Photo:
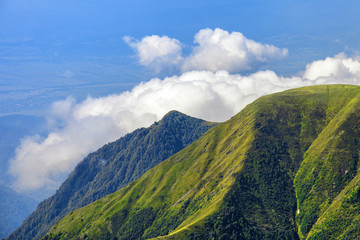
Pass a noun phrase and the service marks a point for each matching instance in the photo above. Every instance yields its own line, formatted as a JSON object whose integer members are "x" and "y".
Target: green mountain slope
{"x": 113, "y": 166}
{"x": 285, "y": 167}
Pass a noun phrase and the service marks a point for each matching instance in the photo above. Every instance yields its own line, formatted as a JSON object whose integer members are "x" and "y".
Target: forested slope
{"x": 113, "y": 166}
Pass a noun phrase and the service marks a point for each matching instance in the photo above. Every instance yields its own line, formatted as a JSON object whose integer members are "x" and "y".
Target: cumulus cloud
{"x": 215, "y": 50}
{"x": 42, "y": 162}
{"x": 156, "y": 52}
{"x": 218, "y": 49}
{"x": 210, "y": 95}
{"x": 334, "y": 69}
{"x": 90, "y": 124}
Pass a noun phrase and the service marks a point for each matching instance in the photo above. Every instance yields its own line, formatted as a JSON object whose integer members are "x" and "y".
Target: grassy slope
{"x": 283, "y": 168}
{"x": 327, "y": 175}
{"x": 183, "y": 190}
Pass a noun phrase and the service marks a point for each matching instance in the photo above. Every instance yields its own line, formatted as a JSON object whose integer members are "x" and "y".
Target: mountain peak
{"x": 176, "y": 116}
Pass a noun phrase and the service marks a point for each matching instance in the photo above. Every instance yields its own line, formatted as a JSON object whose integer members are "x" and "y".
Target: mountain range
{"x": 15, "y": 207}
{"x": 12, "y": 129}
{"x": 285, "y": 167}
{"x": 112, "y": 167}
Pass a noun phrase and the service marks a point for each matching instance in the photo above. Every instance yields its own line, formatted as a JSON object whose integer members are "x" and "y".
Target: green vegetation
{"x": 285, "y": 167}
{"x": 112, "y": 167}
{"x": 182, "y": 190}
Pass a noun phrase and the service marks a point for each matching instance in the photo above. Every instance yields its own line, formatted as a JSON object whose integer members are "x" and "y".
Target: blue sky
{"x": 50, "y": 49}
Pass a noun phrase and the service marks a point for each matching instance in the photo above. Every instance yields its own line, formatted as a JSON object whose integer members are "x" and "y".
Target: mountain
{"x": 14, "y": 208}
{"x": 12, "y": 129}
{"x": 285, "y": 167}
{"x": 112, "y": 167}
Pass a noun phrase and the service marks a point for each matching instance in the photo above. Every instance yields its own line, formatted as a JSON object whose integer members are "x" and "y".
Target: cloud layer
{"x": 214, "y": 50}
{"x": 210, "y": 95}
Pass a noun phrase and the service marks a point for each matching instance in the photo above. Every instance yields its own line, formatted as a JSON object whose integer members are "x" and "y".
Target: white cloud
{"x": 96, "y": 121}
{"x": 42, "y": 162}
{"x": 156, "y": 52}
{"x": 68, "y": 74}
{"x": 213, "y": 96}
{"x": 220, "y": 50}
{"x": 334, "y": 69}
{"x": 215, "y": 50}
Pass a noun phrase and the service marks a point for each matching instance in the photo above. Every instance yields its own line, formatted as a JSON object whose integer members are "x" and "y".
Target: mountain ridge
{"x": 247, "y": 178}
{"x": 113, "y": 166}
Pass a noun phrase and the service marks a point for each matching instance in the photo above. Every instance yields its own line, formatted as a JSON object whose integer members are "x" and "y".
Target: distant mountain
{"x": 14, "y": 208}
{"x": 112, "y": 167}
{"x": 285, "y": 167}
{"x": 12, "y": 129}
